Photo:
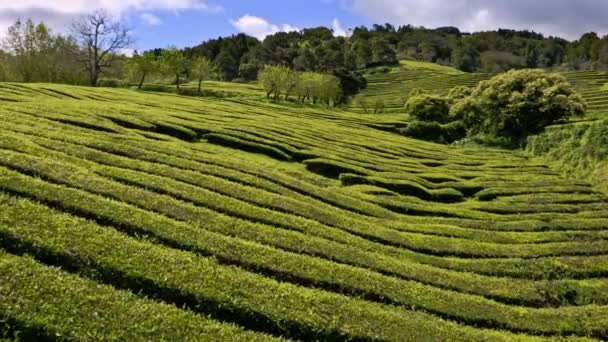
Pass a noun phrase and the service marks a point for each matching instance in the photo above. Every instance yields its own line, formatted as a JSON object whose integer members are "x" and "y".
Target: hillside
{"x": 135, "y": 216}
{"x": 393, "y": 85}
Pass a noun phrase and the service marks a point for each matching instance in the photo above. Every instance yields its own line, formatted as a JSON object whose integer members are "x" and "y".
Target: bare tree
{"x": 101, "y": 38}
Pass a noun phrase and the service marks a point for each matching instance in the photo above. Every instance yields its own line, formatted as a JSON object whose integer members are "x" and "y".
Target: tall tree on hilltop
{"x": 101, "y": 38}
{"x": 202, "y": 69}
{"x": 144, "y": 65}
{"x": 174, "y": 63}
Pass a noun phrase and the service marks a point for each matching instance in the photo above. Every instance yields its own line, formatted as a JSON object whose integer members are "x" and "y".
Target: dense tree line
{"x": 32, "y": 53}
{"x": 317, "y": 49}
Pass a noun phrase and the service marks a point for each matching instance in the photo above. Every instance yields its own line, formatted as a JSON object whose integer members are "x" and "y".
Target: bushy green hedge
{"x": 44, "y": 303}
{"x": 430, "y": 108}
{"x": 434, "y": 131}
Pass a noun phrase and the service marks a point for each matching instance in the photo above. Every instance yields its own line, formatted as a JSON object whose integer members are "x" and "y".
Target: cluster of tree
{"x": 504, "y": 110}
{"x": 317, "y": 49}
{"x": 313, "y": 49}
{"x": 172, "y": 62}
{"x": 311, "y": 87}
{"x": 32, "y": 53}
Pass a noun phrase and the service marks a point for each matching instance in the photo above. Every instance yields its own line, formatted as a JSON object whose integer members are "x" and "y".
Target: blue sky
{"x": 187, "y": 28}
{"x": 159, "y": 23}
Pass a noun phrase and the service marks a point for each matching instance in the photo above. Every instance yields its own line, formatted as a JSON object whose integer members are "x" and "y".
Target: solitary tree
{"x": 202, "y": 69}
{"x": 174, "y": 63}
{"x": 144, "y": 65}
{"x": 101, "y": 38}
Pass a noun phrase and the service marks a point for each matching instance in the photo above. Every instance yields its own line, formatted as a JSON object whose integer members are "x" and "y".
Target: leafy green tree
{"x": 144, "y": 65}
{"x": 458, "y": 93}
{"x": 228, "y": 65}
{"x": 270, "y": 79}
{"x": 363, "y": 54}
{"x": 249, "y": 71}
{"x": 34, "y": 54}
{"x": 307, "y": 81}
{"x": 351, "y": 83}
{"x": 382, "y": 52}
{"x": 500, "y": 61}
{"x": 202, "y": 69}
{"x": 30, "y": 45}
{"x": 518, "y": 103}
{"x": 466, "y": 58}
{"x": 174, "y": 63}
{"x": 426, "y": 107}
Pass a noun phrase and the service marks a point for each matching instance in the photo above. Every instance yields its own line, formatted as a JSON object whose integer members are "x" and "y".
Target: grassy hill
{"x": 134, "y": 216}
{"x": 393, "y": 85}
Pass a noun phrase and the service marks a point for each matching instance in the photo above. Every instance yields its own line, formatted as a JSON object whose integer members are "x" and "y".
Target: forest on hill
{"x": 32, "y": 53}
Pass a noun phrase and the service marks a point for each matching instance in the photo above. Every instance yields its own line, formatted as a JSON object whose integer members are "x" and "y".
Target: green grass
{"x": 418, "y": 65}
{"x": 233, "y": 218}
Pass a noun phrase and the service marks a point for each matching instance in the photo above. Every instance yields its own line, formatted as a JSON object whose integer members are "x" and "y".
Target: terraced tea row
{"x": 393, "y": 87}
{"x": 287, "y": 222}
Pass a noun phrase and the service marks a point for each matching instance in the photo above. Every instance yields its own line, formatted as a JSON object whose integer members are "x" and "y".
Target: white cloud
{"x": 260, "y": 27}
{"x": 150, "y": 19}
{"x": 567, "y": 18}
{"x": 58, "y": 14}
{"x": 339, "y": 31}
{"x": 113, "y": 6}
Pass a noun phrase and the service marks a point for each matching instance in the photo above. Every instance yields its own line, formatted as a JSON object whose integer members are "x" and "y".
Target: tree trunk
{"x": 200, "y": 81}
{"x": 93, "y": 77}
{"x": 177, "y": 81}
{"x": 141, "y": 82}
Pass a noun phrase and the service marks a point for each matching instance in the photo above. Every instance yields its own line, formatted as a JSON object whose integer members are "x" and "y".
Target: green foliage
{"x": 428, "y": 108}
{"x": 434, "y": 131}
{"x": 518, "y": 103}
{"x": 34, "y": 54}
{"x": 578, "y": 150}
{"x": 42, "y": 303}
{"x": 202, "y": 69}
{"x": 302, "y": 223}
{"x": 144, "y": 65}
{"x": 458, "y": 93}
{"x": 249, "y": 71}
{"x": 174, "y": 63}
{"x": 498, "y": 61}
{"x": 309, "y": 86}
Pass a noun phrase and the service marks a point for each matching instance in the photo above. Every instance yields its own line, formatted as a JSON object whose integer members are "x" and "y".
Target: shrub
{"x": 111, "y": 83}
{"x": 458, "y": 93}
{"x": 428, "y": 108}
{"x": 518, "y": 103}
{"x": 433, "y": 131}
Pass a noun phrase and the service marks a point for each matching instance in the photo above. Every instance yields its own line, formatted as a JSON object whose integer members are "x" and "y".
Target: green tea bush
{"x": 428, "y": 108}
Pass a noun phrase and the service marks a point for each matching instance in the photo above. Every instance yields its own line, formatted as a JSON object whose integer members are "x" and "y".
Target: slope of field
{"x": 592, "y": 86}
{"x": 393, "y": 87}
{"x": 134, "y": 216}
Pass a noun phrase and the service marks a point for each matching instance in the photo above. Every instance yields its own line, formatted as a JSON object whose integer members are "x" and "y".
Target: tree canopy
{"x": 518, "y": 103}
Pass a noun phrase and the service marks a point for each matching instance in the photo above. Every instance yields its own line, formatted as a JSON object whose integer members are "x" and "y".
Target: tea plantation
{"x": 135, "y": 216}
{"x": 392, "y": 85}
